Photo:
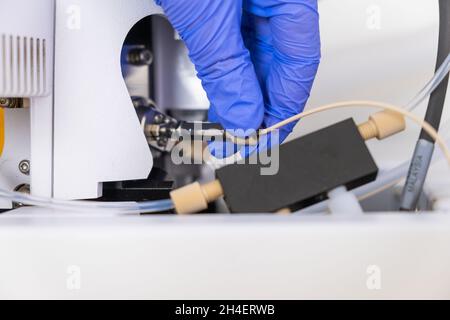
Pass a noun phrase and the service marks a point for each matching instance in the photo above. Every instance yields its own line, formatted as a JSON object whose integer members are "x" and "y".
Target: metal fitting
{"x": 140, "y": 57}
{"x": 11, "y": 103}
{"x": 25, "y": 167}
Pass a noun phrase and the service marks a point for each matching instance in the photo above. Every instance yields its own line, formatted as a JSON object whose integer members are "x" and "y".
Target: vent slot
{"x": 23, "y": 66}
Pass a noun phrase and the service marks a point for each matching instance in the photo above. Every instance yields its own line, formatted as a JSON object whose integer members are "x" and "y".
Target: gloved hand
{"x": 257, "y": 59}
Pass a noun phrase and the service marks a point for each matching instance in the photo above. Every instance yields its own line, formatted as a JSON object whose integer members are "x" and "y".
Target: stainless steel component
{"x": 204, "y": 130}
{"x": 140, "y": 57}
{"x": 176, "y": 84}
{"x": 159, "y": 128}
{"x": 136, "y": 63}
{"x": 23, "y": 188}
{"x": 25, "y": 167}
{"x": 164, "y": 132}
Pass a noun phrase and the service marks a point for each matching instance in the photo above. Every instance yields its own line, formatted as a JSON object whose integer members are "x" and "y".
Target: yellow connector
{"x": 383, "y": 125}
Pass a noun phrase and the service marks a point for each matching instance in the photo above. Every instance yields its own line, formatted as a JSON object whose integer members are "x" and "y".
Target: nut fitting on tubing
{"x": 195, "y": 197}
{"x": 382, "y": 125}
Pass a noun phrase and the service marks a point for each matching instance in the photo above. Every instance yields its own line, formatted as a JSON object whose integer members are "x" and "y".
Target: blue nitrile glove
{"x": 257, "y": 59}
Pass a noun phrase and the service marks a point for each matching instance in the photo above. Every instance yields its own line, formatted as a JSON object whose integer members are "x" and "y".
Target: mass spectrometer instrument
{"x": 73, "y": 129}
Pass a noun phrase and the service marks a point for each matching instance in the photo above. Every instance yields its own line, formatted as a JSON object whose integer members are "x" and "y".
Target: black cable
{"x": 423, "y": 153}
{"x": 437, "y": 100}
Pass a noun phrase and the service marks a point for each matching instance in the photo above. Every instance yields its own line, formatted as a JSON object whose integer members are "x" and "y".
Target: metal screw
{"x": 140, "y": 57}
{"x": 24, "y": 167}
{"x": 11, "y": 103}
{"x": 23, "y": 188}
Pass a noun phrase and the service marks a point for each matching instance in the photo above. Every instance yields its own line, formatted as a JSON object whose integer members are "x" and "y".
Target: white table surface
{"x": 53, "y": 255}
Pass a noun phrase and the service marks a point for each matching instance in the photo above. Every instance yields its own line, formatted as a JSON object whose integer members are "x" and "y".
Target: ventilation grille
{"x": 23, "y": 66}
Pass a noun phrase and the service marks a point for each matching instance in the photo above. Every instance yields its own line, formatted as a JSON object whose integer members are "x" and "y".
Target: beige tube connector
{"x": 196, "y": 197}
{"x": 382, "y": 125}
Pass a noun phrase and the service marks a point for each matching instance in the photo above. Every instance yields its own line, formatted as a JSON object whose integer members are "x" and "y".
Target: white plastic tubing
{"x": 431, "y": 86}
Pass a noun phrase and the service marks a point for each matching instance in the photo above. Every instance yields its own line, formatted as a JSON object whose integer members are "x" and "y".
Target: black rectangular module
{"x": 309, "y": 168}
